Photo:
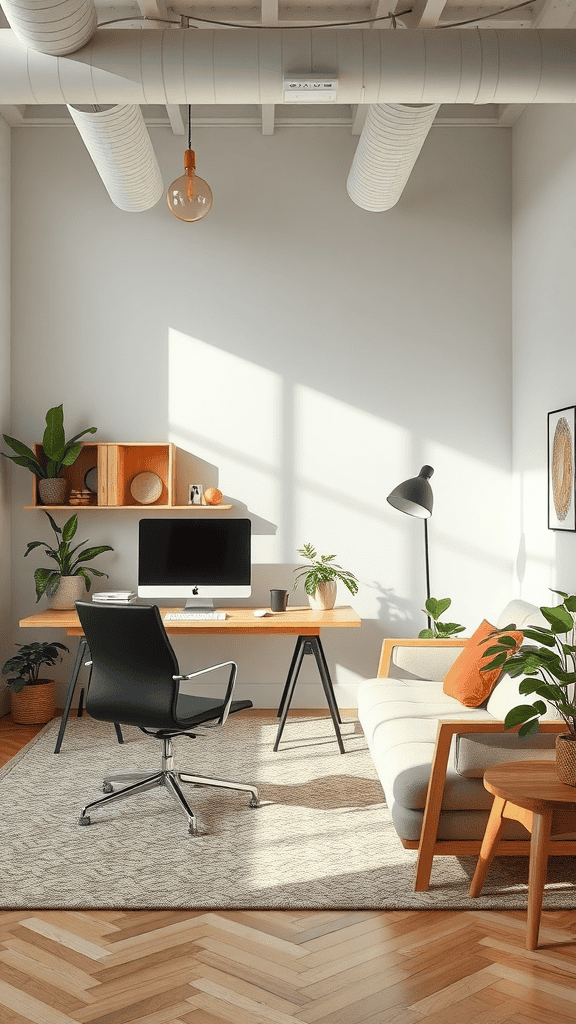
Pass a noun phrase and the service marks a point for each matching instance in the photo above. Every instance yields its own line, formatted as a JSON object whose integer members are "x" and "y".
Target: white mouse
{"x": 260, "y": 612}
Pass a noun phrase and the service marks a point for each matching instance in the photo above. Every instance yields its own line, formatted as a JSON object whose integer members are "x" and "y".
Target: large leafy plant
{"x": 28, "y": 661}
{"x": 548, "y": 666}
{"x": 440, "y": 630}
{"x": 58, "y": 451}
{"x": 322, "y": 569}
{"x": 70, "y": 560}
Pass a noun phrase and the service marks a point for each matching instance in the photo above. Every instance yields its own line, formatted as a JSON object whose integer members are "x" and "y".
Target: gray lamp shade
{"x": 414, "y": 496}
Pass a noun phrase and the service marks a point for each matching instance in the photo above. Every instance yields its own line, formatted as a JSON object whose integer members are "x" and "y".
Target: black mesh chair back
{"x": 132, "y": 665}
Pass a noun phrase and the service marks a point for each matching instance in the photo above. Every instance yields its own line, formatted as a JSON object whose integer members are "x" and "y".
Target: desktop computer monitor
{"x": 197, "y": 559}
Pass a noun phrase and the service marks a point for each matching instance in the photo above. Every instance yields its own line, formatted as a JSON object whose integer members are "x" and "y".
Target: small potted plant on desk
{"x": 66, "y": 583}
{"x": 548, "y": 665}
{"x": 32, "y": 697}
{"x": 321, "y": 578}
{"x": 58, "y": 452}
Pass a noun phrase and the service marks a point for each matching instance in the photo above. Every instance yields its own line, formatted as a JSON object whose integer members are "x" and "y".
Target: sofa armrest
{"x": 390, "y": 653}
{"x": 446, "y": 731}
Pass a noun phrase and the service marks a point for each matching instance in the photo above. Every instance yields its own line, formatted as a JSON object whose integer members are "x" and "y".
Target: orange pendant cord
{"x": 190, "y": 167}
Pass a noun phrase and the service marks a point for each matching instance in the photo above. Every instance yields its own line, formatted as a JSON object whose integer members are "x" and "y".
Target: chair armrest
{"x": 388, "y": 647}
{"x": 229, "y": 691}
{"x": 446, "y": 730}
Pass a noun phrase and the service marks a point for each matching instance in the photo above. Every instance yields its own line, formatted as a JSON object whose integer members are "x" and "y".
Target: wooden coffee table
{"x": 529, "y": 792}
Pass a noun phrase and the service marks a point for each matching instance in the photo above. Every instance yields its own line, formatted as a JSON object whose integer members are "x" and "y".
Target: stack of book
{"x": 114, "y": 597}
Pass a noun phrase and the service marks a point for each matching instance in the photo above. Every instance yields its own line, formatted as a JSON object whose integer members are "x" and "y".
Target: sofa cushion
{"x": 466, "y": 680}
{"x": 475, "y": 752}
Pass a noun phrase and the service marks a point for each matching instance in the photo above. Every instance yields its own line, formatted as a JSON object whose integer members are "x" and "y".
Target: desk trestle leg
{"x": 309, "y": 645}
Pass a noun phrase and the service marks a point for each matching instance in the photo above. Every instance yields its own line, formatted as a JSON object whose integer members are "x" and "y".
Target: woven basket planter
{"x": 566, "y": 759}
{"x": 52, "y": 490}
{"x": 34, "y": 705}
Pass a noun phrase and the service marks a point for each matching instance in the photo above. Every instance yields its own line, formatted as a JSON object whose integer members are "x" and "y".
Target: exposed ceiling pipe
{"x": 228, "y": 66}
{"x": 387, "y": 150}
{"x": 119, "y": 144}
{"x": 56, "y": 27}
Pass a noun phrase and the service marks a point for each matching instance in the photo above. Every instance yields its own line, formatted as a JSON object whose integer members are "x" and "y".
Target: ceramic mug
{"x": 278, "y": 600}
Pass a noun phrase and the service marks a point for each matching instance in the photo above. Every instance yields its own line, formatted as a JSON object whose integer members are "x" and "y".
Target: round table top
{"x": 530, "y": 784}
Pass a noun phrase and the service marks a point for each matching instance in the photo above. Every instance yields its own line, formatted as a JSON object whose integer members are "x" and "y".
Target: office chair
{"x": 135, "y": 680}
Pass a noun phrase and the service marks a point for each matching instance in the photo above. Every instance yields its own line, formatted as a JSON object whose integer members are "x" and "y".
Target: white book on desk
{"x": 114, "y": 597}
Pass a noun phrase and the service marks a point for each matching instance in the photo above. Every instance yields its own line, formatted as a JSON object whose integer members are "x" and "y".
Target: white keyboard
{"x": 192, "y": 616}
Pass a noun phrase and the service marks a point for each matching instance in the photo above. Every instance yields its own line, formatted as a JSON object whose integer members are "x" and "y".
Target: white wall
{"x": 309, "y": 356}
{"x": 5, "y": 562}
{"x": 544, "y": 174}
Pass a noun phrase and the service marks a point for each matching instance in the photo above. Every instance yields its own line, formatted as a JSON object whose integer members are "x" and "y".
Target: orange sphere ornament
{"x": 212, "y": 496}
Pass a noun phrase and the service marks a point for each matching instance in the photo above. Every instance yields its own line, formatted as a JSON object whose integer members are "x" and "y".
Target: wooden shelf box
{"x": 117, "y": 466}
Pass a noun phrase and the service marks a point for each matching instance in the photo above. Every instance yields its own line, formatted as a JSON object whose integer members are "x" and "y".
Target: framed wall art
{"x": 561, "y": 465}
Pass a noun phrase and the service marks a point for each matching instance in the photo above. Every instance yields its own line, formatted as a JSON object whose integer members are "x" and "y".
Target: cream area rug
{"x": 322, "y": 838}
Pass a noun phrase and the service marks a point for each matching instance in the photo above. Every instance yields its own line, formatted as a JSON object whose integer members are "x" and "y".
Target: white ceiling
{"x": 421, "y": 14}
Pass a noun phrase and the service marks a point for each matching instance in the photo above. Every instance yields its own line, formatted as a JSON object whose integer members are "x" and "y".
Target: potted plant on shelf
{"x": 66, "y": 583}
{"x": 321, "y": 578}
{"x": 32, "y": 697}
{"x": 58, "y": 452}
{"x": 549, "y": 669}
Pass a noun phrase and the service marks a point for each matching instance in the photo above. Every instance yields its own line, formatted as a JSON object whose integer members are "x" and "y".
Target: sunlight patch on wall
{"x": 346, "y": 462}
{"x": 535, "y": 559}
{"x": 227, "y": 413}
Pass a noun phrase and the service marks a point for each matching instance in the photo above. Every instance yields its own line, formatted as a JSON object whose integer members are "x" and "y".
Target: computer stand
{"x": 308, "y": 645}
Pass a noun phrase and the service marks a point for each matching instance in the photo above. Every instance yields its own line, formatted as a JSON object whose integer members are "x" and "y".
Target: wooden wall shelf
{"x": 117, "y": 465}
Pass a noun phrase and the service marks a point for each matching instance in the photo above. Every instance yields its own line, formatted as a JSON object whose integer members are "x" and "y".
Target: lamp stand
{"x": 427, "y": 568}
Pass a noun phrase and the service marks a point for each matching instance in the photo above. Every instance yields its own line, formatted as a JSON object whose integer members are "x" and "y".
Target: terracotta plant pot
{"x": 566, "y": 759}
{"x": 70, "y": 589}
{"x": 35, "y": 704}
{"x": 325, "y": 596}
{"x": 52, "y": 490}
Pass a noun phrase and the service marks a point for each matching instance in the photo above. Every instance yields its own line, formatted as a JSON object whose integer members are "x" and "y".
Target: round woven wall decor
{"x": 562, "y": 470}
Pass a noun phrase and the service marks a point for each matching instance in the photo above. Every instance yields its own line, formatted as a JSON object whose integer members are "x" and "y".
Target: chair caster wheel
{"x": 254, "y": 803}
{"x": 84, "y": 819}
{"x": 192, "y": 830}
{"x": 107, "y": 787}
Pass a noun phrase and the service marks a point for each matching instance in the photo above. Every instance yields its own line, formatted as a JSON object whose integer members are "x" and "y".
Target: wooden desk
{"x": 302, "y": 622}
{"x": 529, "y": 792}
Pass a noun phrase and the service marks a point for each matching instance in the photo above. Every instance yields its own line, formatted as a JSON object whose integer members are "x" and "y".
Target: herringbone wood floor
{"x": 284, "y": 967}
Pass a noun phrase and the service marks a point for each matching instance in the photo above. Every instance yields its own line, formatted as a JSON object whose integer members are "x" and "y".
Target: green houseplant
{"x": 70, "y": 562}
{"x": 321, "y": 577}
{"x": 58, "y": 452}
{"x": 32, "y": 696}
{"x": 548, "y": 666}
{"x": 440, "y": 630}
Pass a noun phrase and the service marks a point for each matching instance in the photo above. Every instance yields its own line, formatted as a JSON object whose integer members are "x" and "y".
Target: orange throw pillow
{"x": 465, "y": 681}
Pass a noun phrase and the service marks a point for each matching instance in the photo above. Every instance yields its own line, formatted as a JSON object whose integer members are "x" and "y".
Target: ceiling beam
{"x": 14, "y": 115}
{"x": 425, "y": 13}
{"x": 555, "y": 14}
{"x": 174, "y": 111}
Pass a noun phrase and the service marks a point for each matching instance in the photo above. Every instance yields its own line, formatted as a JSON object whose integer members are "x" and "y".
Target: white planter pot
{"x": 324, "y": 598}
{"x": 70, "y": 589}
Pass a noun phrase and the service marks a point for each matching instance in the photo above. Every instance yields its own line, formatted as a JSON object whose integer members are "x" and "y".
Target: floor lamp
{"x": 415, "y": 497}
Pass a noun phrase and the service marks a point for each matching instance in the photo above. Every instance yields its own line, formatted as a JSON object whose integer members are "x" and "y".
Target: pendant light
{"x": 189, "y": 198}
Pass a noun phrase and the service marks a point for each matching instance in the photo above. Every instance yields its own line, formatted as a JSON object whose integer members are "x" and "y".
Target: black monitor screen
{"x": 194, "y": 552}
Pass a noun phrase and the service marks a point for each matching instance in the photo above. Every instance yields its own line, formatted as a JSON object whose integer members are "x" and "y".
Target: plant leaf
{"x": 53, "y": 524}
{"x": 53, "y": 441}
{"x": 528, "y": 729}
{"x": 90, "y": 553}
{"x": 519, "y": 714}
{"x": 426, "y": 634}
{"x": 70, "y": 528}
{"x": 560, "y": 620}
{"x": 71, "y": 454}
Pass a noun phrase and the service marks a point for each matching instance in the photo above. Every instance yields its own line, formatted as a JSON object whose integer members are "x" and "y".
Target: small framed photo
{"x": 561, "y": 466}
{"x": 195, "y": 492}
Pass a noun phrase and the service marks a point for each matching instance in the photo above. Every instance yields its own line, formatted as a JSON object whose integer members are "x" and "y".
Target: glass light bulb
{"x": 189, "y": 197}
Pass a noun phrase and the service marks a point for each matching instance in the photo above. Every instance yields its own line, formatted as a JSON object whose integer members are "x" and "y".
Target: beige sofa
{"x": 431, "y": 752}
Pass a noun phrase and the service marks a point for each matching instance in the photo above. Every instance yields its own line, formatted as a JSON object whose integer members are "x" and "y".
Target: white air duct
{"x": 388, "y": 148}
{"x": 56, "y": 27}
{"x": 228, "y": 66}
{"x": 119, "y": 144}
